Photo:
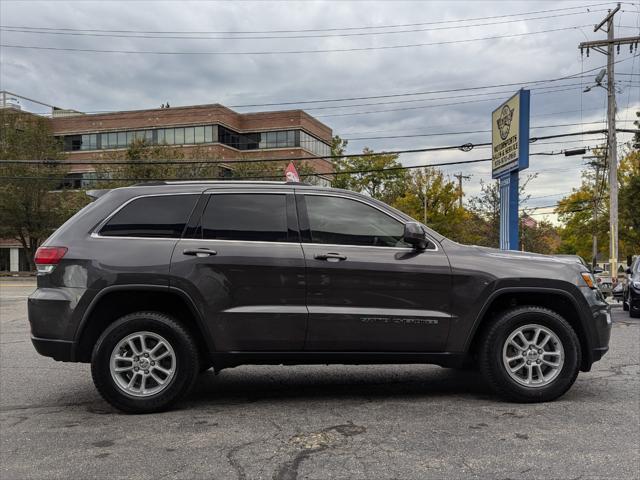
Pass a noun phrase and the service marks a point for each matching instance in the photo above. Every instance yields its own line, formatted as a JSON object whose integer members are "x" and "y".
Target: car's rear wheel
{"x": 144, "y": 362}
{"x": 530, "y": 354}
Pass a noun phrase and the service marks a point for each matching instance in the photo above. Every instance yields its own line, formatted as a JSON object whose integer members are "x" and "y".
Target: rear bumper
{"x": 60, "y": 350}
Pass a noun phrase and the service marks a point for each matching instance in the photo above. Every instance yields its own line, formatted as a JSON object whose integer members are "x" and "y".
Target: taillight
{"x": 47, "y": 258}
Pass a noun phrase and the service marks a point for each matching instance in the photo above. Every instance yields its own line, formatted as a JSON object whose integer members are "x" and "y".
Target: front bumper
{"x": 598, "y": 328}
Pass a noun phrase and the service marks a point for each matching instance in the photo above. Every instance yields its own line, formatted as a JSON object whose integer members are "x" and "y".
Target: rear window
{"x": 248, "y": 217}
{"x": 162, "y": 216}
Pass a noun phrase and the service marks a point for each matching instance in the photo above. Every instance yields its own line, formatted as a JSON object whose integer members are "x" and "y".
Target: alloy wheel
{"x": 142, "y": 364}
{"x": 533, "y": 355}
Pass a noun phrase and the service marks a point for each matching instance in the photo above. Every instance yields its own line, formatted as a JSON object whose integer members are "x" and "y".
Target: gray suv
{"x": 154, "y": 283}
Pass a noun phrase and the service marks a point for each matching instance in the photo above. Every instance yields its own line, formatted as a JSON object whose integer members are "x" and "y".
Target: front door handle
{"x": 199, "y": 252}
{"x": 330, "y": 257}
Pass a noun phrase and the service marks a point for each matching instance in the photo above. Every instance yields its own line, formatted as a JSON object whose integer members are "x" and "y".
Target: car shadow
{"x": 254, "y": 384}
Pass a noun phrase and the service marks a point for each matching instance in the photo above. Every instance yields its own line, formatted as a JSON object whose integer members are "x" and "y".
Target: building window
{"x": 77, "y": 180}
{"x": 198, "y": 135}
{"x": 272, "y": 139}
{"x": 89, "y": 142}
{"x": 189, "y": 136}
{"x": 179, "y": 133}
{"x": 208, "y": 134}
{"x": 314, "y": 145}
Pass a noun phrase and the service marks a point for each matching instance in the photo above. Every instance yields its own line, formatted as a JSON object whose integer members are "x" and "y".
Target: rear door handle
{"x": 330, "y": 257}
{"x": 199, "y": 252}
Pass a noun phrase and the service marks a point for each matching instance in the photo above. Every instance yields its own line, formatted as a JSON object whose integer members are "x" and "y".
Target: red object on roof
{"x": 291, "y": 174}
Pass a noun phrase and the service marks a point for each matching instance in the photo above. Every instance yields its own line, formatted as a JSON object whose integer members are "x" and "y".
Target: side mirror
{"x": 414, "y": 236}
{"x": 597, "y": 270}
{"x": 629, "y": 270}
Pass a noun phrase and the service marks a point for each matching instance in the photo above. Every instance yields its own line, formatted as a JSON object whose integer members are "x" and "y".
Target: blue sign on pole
{"x": 510, "y": 154}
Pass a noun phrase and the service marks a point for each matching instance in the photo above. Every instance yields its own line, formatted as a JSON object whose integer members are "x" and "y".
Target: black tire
{"x": 625, "y": 305}
{"x": 491, "y": 349}
{"x": 633, "y": 314}
{"x": 186, "y": 362}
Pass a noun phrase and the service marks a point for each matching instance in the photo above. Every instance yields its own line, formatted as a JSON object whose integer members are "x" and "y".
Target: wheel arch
{"x": 116, "y": 301}
{"x": 560, "y": 301}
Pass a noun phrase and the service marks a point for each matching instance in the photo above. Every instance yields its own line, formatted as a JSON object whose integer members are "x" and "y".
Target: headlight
{"x": 589, "y": 279}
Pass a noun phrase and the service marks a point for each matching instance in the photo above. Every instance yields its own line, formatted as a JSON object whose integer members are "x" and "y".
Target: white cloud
{"x": 95, "y": 81}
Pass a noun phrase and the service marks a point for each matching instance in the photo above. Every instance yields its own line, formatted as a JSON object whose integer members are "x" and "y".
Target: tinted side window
{"x": 343, "y": 221}
{"x": 249, "y": 217}
{"x": 160, "y": 216}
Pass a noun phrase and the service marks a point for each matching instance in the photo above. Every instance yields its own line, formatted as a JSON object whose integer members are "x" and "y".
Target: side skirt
{"x": 234, "y": 359}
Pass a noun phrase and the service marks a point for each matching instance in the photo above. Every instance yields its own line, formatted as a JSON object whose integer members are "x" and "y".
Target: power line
{"x": 333, "y": 29}
{"x": 470, "y": 132}
{"x": 292, "y": 52}
{"x": 166, "y": 113}
{"x": 276, "y": 37}
{"x": 346, "y": 172}
{"x": 403, "y": 94}
{"x": 464, "y": 147}
{"x": 278, "y": 113}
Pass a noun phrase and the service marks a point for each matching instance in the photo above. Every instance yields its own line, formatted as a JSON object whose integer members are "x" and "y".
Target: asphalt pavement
{"x": 315, "y": 422}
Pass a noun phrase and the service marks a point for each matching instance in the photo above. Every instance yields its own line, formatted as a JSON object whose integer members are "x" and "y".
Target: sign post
{"x": 510, "y": 154}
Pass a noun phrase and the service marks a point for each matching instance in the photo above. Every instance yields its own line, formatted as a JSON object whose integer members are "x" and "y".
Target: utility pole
{"x": 597, "y": 191}
{"x": 610, "y": 43}
{"x": 461, "y": 177}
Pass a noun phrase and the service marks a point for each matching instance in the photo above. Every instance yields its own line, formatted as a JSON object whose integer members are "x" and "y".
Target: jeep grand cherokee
{"x": 153, "y": 283}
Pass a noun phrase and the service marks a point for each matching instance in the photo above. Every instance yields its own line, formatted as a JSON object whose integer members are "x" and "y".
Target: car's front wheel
{"x": 530, "y": 354}
{"x": 144, "y": 362}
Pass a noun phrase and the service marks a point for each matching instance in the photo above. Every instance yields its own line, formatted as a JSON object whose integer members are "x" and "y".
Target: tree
{"x": 432, "y": 198}
{"x": 539, "y": 237}
{"x": 143, "y": 162}
{"x": 338, "y": 145}
{"x": 585, "y": 212}
{"x": 269, "y": 170}
{"x": 32, "y": 205}
{"x": 629, "y": 204}
{"x": 379, "y": 176}
{"x": 487, "y": 206}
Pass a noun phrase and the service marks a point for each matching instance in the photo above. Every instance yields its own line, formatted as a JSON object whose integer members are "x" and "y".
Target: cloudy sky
{"x": 352, "y": 49}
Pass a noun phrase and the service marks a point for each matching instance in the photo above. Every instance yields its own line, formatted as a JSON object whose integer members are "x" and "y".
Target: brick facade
{"x": 197, "y": 115}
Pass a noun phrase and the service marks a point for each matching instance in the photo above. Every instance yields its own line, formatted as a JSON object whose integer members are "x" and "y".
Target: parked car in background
{"x": 618, "y": 291}
{"x": 631, "y": 292}
{"x": 603, "y": 280}
{"x": 153, "y": 283}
